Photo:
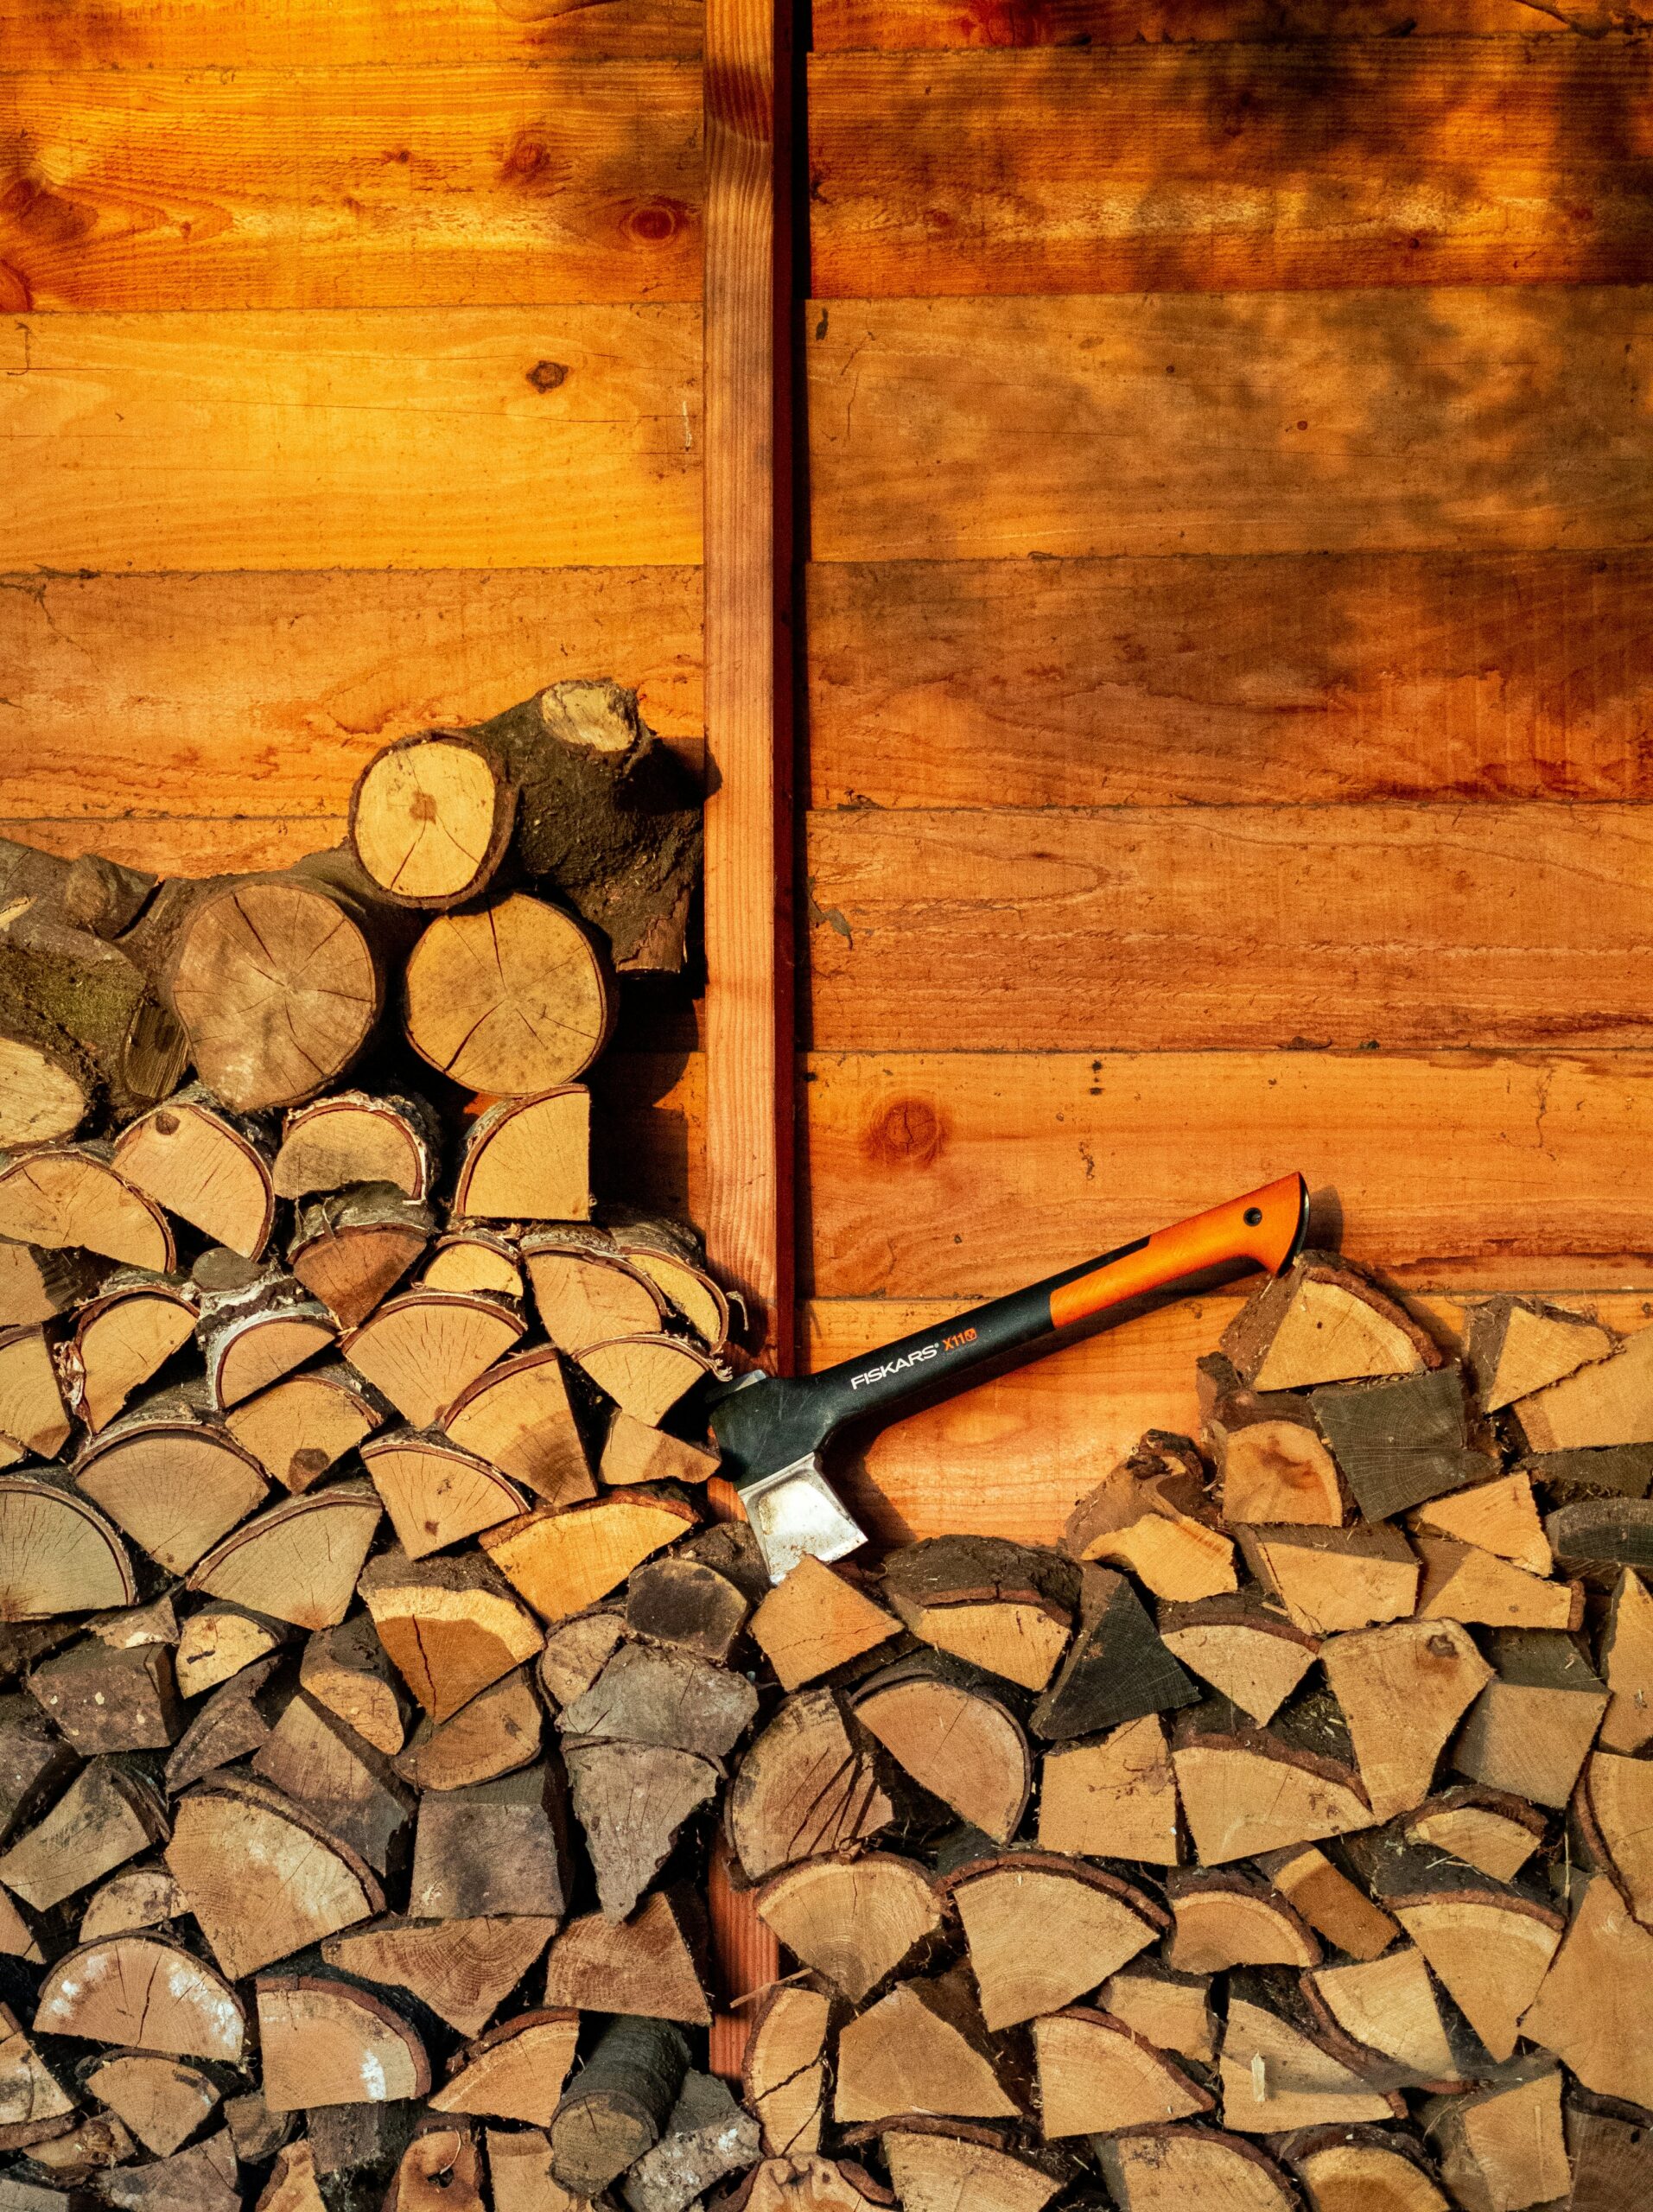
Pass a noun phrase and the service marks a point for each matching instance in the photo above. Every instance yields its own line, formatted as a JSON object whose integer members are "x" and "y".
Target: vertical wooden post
{"x": 749, "y": 1033}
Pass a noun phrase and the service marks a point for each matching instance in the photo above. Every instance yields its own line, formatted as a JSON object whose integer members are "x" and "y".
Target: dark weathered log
{"x": 619, "y": 2104}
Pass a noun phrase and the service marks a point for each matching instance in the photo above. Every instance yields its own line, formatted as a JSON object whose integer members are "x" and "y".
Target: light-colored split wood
{"x": 146, "y": 1992}
{"x": 785, "y": 2075}
{"x": 1389, "y": 2004}
{"x": 327, "y": 2043}
{"x": 57, "y": 1555}
{"x": 353, "y": 1137}
{"x": 1403, "y": 1690}
{"x": 1274, "y": 2077}
{"x": 1240, "y": 1798}
{"x": 1518, "y": 1346}
{"x": 855, "y": 1921}
{"x": 1225, "y": 1921}
{"x": 517, "y": 1416}
{"x": 1496, "y": 1835}
{"x": 562, "y": 1562}
{"x": 1610, "y": 1402}
{"x": 218, "y": 1641}
{"x": 921, "y": 2049}
{"x": 33, "y": 1422}
{"x": 70, "y": 1198}
{"x": 1491, "y": 1951}
{"x": 423, "y": 1348}
{"x": 814, "y": 1621}
{"x": 1333, "y": 1579}
{"x": 516, "y": 2071}
{"x": 462, "y": 1969}
{"x": 451, "y": 1626}
{"x": 1322, "y": 1321}
{"x": 302, "y": 1426}
{"x": 120, "y": 1340}
{"x": 299, "y": 1561}
{"x": 1255, "y": 1661}
{"x": 263, "y": 1878}
{"x": 198, "y": 1164}
{"x": 530, "y": 1159}
{"x": 1090, "y": 1924}
{"x": 645, "y": 1376}
{"x": 175, "y": 1481}
{"x": 1627, "y": 1662}
{"x": 1504, "y": 2148}
{"x": 1116, "y": 1798}
{"x": 1096, "y": 2077}
{"x": 475, "y": 1259}
{"x": 961, "y": 1745}
{"x": 161, "y": 2102}
{"x": 1498, "y": 1516}
{"x": 1171, "y": 2168}
{"x": 436, "y": 1494}
{"x": 1461, "y": 1582}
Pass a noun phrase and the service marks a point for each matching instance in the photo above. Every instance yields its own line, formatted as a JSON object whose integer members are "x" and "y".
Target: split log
{"x": 564, "y": 1561}
{"x": 645, "y": 1376}
{"x": 353, "y": 1137}
{"x": 1357, "y": 2170}
{"x": 806, "y": 2184}
{"x": 218, "y": 1641}
{"x": 646, "y": 1695}
{"x": 327, "y": 2043}
{"x": 318, "y": 1762}
{"x": 121, "y": 1338}
{"x": 1116, "y": 1669}
{"x": 707, "y": 2138}
{"x": 1462, "y": 1583}
{"x": 1503, "y": 2146}
{"x": 575, "y": 1653}
{"x": 299, "y": 1561}
{"x": 1324, "y": 1321}
{"x": 1489, "y": 1949}
{"x": 431, "y": 816}
{"x": 1493, "y": 1833}
{"x": 141, "y": 1897}
{"x": 1272, "y": 1462}
{"x": 1274, "y": 2075}
{"x": 70, "y": 1195}
{"x": 516, "y": 2071}
{"x": 784, "y": 2076}
{"x": 635, "y": 1451}
{"x": 587, "y": 1292}
{"x": 463, "y": 1970}
{"x": 1390, "y": 2006}
{"x": 684, "y": 1602}
{"x": 104, "y": 1818}
{"x": 1611, "y": 2156}
{"x": 210, "y": 1168}
{"x": 651, "y": 1965}
{"x": 1253, "y": 1655}
{"x": 34, "y": 1762}
{"x": 1171, "y": 2012}
{"x": 498, "y": 1847}
{"x": 1403, "y": 1690}
{"x": 348, "y": 1670}
{"x": 351, "y": 1248}
{"x": 511, "y": 999}
{"x": 517, "y": 1416}
{"x": 1331, "y": 1581}
{"x": 1149, "y": 1515}
{"x": 203, "y": 2179}
{"x": 1592, "y": 2009}
{"x": 1518, "y": 1346}
{"x": 803, "y": 1790}
{"x": 1596, "y": 1537}
{"x": 423, "y": 1348}
{"x": 854, "y": 1921}
{"x": 1600, "y": 1471}
{"x": 161, "y": 2101}
{"x": 1398, "y": 1444}
{"x": 436, "y": 1494}
{"x": 261, "y": 1876}
{"x": 476, "y": 1259}
{"x": 1626, "y": 1652}
{"x": 815, "y": 1621}
{"x": 1614, "y": 1807}
{"x": 34, "y": 1421}
{"x": 921, "y": 2049}
{"x": 1608, "y": 1402}
{"x": 1529, "y": 1731}
{"x": 934, "y": 2172}
{"x": 230, "y": 1724}
{"x": 292, "y": 2186}
{"x": 1089, "y": 1925}
{"x": 1116, "y": 1798}
{"x": 520, "y": 2173}
{"x": 1498, "y": 1516}
{"x": 674, "y": 1262}
{"x": 956, "y": 1740}
{"x": 301, "y": 1427}
{"x": 1000, "y": 1606}
{"x": 451, "y": 1626}
{"x": 143, "y": 1990}
{"x": 173, "y": 1478}
{"x": 530, "y": 1159}
{"x": 631, "y": 1800}
{"x": 1227, "y": 1920}
{"x": 1096, "y": 2077}
{"x": 617, "y": 2105}
{"x": 109, "y": 1701}
{"x": 498, "y": 1732}
{"x": 57, "y": 1555}
{"x": 1329, "y": 1901}
{"x": 37, "y": 1284}
{"x": 1243, "y": 1794}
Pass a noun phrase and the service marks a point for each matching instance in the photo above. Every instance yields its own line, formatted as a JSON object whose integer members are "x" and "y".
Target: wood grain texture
{"x": 184, "y": 844}
{"x": 1233, "y": 167}
{"x": 1491, "y": 926}
{"x": 389, "y": 187}
{"x": 1129, "y": 682}
{"x": 1260, "y": 423}
{"x": 111, "y": 703}
{"x": 965, "y": 1175}
{"x": 458, "y": 437}
{"x": 1011, "y": 1458}
{"x": 841, "y": 25}
{"x": 315, "y": 34}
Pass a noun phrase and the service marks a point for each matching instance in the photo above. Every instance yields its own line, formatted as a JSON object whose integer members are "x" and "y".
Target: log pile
{"x": 378, "y": 1688}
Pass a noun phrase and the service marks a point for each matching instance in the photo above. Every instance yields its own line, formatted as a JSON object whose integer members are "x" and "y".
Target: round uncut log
{"x": 511, "y": 1000}
{"x": 431, "y": 816}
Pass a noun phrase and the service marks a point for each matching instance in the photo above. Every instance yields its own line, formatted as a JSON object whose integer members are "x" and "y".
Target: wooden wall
{"x": 1231, "y": 482}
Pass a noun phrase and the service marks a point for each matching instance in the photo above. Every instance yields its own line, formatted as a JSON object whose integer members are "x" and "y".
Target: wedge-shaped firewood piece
{"x": 921, "y": 2049}
{"x": 564, "y": 1561}
{"x": 1596, "y": 1472}
{"x": 1096, "y": 2076}
{"x": 470, "y": 1257}
{"x": 349, "y": 1788}
{"x": 292, "y": 2186}
{"x": 329, "y": 2043}
{"x": 35, "y": 1762}
{"x": 121, "y": 1339}
{"x": 530, "y": 1159}
{"x": 935, "y": 2172}
{"x": 436, "y": 1494}
{"x": 803, "y": 1790}
{"x": 1242, "y": 1795}
{"x": 143, "y": 1990}
{"x": 352, "y": 1247}
{"x": 1397, "y": 1444}
{"x": 173, "y": 1478}
{"x": 808, "y": 2184}
{"x": 161, "y": 2102}
{"x": 645, "y": 1376}
{"x": 1333, "y": 1905}
{"x": 1403, "y": 1690}
{"x": 1170, "y": 2010}
{"x": 1172, "y": 2169}
{"x": 955, "y": 1739}
{"x": 814, "y": 1621}
{"x": 210, "y": 1168}
{"x": 649, "y": 1965}
{"x": 1324, "y": 1321}
{"x": 1498, "y": 1516}
{"x": 1226, "y": 1920}
{"x": 262, "y": 1877}
{"x": 462, "y": 1969}
{"x": 1462, "y": 1583}
{"x": 855, "y": 1921}
{"x": 649, "y": 1695}
{"x": 1272, "y": 1462}
{"x": 230, "y": 1724}
{"x": 516, "y": 2071}
{"x": 348, "y": 1670}
{"x": 1504, "y": 2148}
{"x": 511, "y": 999}
{"x": 143, "y": 1897}
{"x": 424, "y": 1347}
{"x": 1615, "y": 1806}
{"x": 617, "y": 2105}
{"x": 1116, "y": 1798}
{"x": 1390, "y": 2006}
{"x": 301, "y": 1427}
{"x": 1609, "y": 1402}
{"x": 675, "y": 1262}
{"x": 1356, "y": 2169}
{"x": 1626, "y": 1651}
{"x": 1598, "y": 1536}
{"x": 1150, "y": 1513}
{"x": 1592, "y": 2009}
{"x": 1276, "y": 2076}
{"x": 1493, "y": 1833}
{"x": 631, "y": 1800}
{"x": 353, "y": 1137}
{"x": 499, "y": 1848}
{"x": 520, "y": 2173}
{"x": 37, "y": 1285}
{"x": 784, "y": 2077}
{"x": 451, "y": 1626}
{"x": 218, "y": 1641}
{"x": 34, "y": 1421}
{"x": 586, "y": 1290}
{"x": 29, "y": 2092}
{"x": 1089, "y": 1923}
{"x": 1612, "y": 2155}
{"x": 1520, "y": 1345}
{"x": 498, "y": 1732}
{"x": 299, "y": 1561}
{"x": 105, "y": 1817}
{"x": 634, "y": 1452}
{"x": 1000, "y": 1606}
{"x": 1116, "y": 1669}
{"x": 111, "y": 1700}
{"x": 440, "y": 2171}
{"x": 1491, "y": 1950}
{"x": 517, "y": 1416}
{"x": 1529, "y": 1731}
{"x": 57, "y": 1555}
{"x": 1333, "y": 1579}
{"x": 203, "y": 2178}
{"x": 684, "y": 1601}
{"x": 1253, "y": 1655}
{"x": 71, "y": 1199}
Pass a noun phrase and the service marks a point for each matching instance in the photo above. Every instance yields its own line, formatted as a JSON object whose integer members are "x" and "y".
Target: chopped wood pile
{"x": 381, "y": 1690}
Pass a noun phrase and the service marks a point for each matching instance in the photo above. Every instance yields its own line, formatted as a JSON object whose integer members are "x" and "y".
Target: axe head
{"x": 771, "y": 1431}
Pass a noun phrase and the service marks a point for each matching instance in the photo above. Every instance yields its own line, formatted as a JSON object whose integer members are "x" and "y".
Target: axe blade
{"x": 796, "y": 1514}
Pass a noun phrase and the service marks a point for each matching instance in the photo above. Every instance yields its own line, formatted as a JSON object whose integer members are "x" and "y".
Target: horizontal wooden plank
{"x": 222, "y": 694}
{"x": 963, "y": 1175}
{"x": 1256, "y": 422}
{"x": 350, "y": 188}
{"x": 312, "y": 33}
{"x": 1213, "y": 169}
{"x": 1493, "y": 926}
{"x": 454, "y": 437}
{"x": 847, "y": 24}
{"x": 1012, "y": 1458}
{"x": 1145, "y": 682}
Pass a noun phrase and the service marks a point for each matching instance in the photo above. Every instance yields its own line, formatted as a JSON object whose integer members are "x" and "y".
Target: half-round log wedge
{"x": 144, "y": 1991}
{"x": 921, "y": 2049}
{"x": 348, "y": 1670}
{"x": 1088, "y": 1925}
{"x": 161, "y": 2102}
{"x": 303, "y": 1425}
{"x": 645, "y": 1376}
{"x": 1488, "y": 1830}
{"x": 423, "y": 1348}
{"x": 933, "y": 2171}
{"x": 814, "y": 1620}
{"x": 587, "y": 1295}
{"x": 677, "y": 1273}
{"x": 1324, "y": 1321}
{"x": 262, "y": 1877}
{"x": 138, "y": 1896}
{"x": 1255, "y": 1659}
{"x": 1244, "y": 1795}
{"x": 46, "y": 1084}
{"x": 1275, "y": 2076}
{"x": 517, "y": 1416}
{"x": 1490, "y": 1948}
{"x": 497, "y": 1732}
{"x": 436, "y": 1494}
{"x": 462, "y": 1969}
{"x": 803, "y": 1790}
{"x": 1171, "y": 2168}
{"x": 204, "y": 1167}
{"x": 57, "y": 1555}
{"x": 1223, "y": 1920}
{"x": 1096, "y": 2077}
{"x": 218, "y": 1641}
{"x": 783, "y": 2074}
{"x": 1359, "y": 2171}
{"x": 351, "y": 1247}
{"x": 173, "y": 1480}
{"x": 69, "y": 1197}
{"x": 353, "y": 1137}
{"x": 807, "y": 2185}
{"x": 562, "y": 1562}
{"x": 529, "y": 1159}
{"x": 37, "y": 1285}
{"x": 476, "y": 1259}
{"x": 246, "y": 1352}
{"x": 1389, "y": 2004}
{"x": 1616, "y": 1804}
{"x": 34, "y": 1421}
{"x": 430, "y": 818}
{"x": 511, "y": 999}
{"x": 516, "y": 2071}
{"x": 298, "y": 1561}
{"x": 120, "y": 1340}
{"x": 854, "y": 1921}
{"x": 451, "y": 1626}
{"x": 956, "y": 1742}
{"x": 1403, "y": 1690}
{"x": 327, "y": 2043}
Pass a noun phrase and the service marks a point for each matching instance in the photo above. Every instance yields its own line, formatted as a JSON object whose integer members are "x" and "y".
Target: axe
{"x": 772, "y": 1429}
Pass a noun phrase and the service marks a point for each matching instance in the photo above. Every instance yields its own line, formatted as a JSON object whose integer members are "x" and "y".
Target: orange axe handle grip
{"x": 1264, "y": 1226}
